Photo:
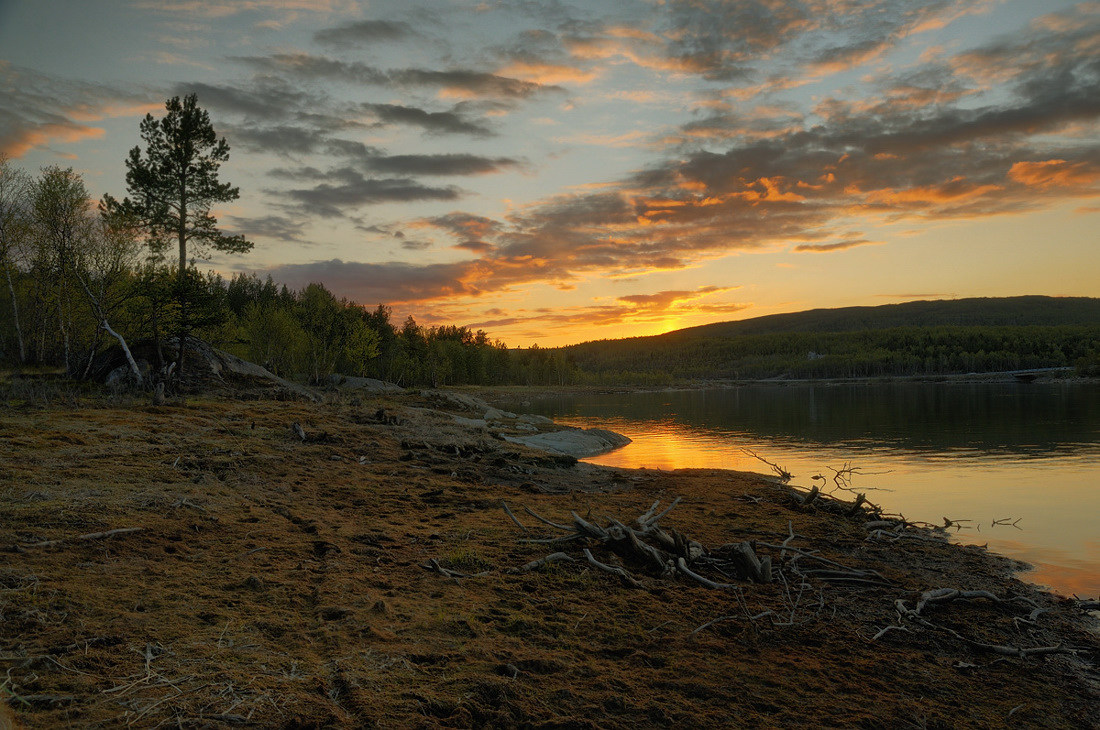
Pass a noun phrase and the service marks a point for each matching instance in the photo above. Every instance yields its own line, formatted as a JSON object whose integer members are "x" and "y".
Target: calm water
{"x": 974, "y": 451}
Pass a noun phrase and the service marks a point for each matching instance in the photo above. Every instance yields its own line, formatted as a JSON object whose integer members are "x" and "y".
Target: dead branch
{"x": 682, "y": 566}
{"x": 536, "y": 564}
{"x": 540, "y": 518}
{"x": 626, "y": 577}
{"x": 89, "y": 536}
{"x": 553, "y": 540}
{"x": 644, "y": 518}
{"x": 587, "y": 528}
{"x": 519, "y": 524}
{"x": 855, "y": 572}
{"x": 1021, "y": 652}
{"x": 454, "y": 575}
{"x": 713, "y": 621}
{"x": 944, "y": 595}
{"x": 784, "y": 475}
{"x": 652, "y": 521}
{"x": 750, "y": 565}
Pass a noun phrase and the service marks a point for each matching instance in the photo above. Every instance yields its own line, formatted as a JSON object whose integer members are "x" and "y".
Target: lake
{"x": 990, "y": 453}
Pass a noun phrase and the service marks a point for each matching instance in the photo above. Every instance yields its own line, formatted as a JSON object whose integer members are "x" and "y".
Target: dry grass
{"x": 281, "y": 583}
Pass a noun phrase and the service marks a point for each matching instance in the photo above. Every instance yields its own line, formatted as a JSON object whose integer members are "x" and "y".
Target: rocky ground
{"x": 205, "y": 563}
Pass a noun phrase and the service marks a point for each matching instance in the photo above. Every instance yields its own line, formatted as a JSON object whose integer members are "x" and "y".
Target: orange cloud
{"x": 43, "y": 135}
{"x": 1054, "y": 173}
{"x": 831, "y": 247}
{"x": 955, "y": 190}
{"x": 547, "y": 73}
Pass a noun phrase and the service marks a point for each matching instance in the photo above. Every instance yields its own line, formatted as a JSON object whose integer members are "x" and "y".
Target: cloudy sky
{"x": 559, "y": 171}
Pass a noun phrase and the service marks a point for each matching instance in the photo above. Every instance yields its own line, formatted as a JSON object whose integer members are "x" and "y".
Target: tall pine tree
{"x": 172, "y": 186}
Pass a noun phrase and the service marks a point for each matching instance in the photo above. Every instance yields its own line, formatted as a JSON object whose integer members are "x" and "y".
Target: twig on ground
{"x": 89, "y": 536}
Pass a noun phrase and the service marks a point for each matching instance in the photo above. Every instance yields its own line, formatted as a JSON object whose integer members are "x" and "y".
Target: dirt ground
{"x": 269, "y": 581}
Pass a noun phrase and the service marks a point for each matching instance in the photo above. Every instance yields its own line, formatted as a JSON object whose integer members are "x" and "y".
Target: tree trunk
{"x": 182, "y": 233}
{"x": 15, "y": 316}
{"x": 125, "y": 349}
{"x": 64, "y": 332}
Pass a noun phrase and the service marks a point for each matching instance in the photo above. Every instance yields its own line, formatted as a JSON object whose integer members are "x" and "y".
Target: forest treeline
{"x": 896, "y": 351}
{"x": 69, "y": 268}
{"x": 81, "y": 279}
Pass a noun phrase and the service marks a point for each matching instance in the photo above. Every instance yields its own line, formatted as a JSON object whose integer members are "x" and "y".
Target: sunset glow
{"x": 577, "y": 171}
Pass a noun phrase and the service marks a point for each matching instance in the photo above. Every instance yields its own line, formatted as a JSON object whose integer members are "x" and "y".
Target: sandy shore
{"x": 258, "y": 579}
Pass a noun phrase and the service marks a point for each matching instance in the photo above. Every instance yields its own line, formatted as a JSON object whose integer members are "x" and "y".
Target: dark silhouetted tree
{"x": 172, "y": 186}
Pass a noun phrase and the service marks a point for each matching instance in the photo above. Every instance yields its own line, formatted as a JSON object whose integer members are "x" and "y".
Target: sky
{"x": 555, "y": 172}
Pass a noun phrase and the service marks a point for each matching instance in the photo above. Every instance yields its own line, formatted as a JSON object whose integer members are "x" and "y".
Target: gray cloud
{"x": 433, "y": 122}
{"x": 271, "y": 226}
{"x": 470, "y": 230}
{"x": 445, "y": 164}
{"x": 311, "y": 67}
{"x": 391, "y": 283}
{"x": 363, "y": 32}
{"x": 473, "y": 82}
{"x": 352, "y": 190}
{"x": 307, "y": 66}
{"x": 830, "y": 247}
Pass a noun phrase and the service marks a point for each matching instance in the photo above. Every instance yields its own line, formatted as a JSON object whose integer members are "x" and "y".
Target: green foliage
{"x": 175, "y": 182}
{"x": 275, "y": 338}
{"x": 172, "y": 186}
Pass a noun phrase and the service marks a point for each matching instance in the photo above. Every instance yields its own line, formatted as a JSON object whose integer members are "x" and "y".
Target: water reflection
{"x": 989, "y": 419}
{"x": 976, "y": 451}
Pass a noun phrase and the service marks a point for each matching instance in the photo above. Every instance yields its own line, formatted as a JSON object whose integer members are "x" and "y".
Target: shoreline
{"x": 496, "y": 393}
{"x": 366, "y": 573}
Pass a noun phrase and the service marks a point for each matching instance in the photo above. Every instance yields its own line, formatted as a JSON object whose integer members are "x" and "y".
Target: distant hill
{"x": 1024, "y": 311}
{"x": 915, "y": 338}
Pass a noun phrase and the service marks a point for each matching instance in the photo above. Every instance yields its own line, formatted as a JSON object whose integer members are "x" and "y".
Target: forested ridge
{"x": 916, "y": 338}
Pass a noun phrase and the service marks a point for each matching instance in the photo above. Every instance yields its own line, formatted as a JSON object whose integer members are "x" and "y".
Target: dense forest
{"x": 896, "y": 351}
{"x": 79, "y": 281}
{"x": 82, "y": 278}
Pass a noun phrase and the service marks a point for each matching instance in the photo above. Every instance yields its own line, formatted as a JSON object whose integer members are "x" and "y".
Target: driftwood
{"x": 519, "y": 524}
{"x": 945, "y": 595}
{"x": 784, "y": 475}
{"x": 661, "y": 553}
{"x": 626, "y": 577}
{"x": 682, "y": 565}
{"x": 454, "y": 575}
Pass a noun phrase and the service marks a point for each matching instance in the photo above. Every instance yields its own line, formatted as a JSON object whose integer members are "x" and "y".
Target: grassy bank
{"x": 268, "y": 580}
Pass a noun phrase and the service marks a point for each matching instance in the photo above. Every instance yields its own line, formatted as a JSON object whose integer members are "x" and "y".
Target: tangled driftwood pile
{"x": 664, "y": 553}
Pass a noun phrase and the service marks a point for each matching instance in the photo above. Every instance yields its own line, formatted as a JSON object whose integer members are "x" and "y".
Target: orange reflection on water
{"x": 1056, "y": 502}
